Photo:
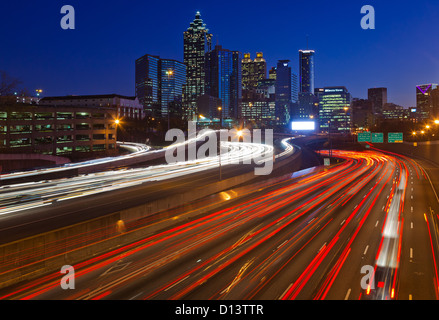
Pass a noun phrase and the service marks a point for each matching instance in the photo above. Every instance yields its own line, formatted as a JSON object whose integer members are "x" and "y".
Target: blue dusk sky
{"x": 98, "y": 56}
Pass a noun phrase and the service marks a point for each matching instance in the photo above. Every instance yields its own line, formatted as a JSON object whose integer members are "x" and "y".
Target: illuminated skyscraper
{"x": 197, "y": 42}
{"x": 286, "y": 91}
{"x": 306, "y": 71}
{"x": 253, "y": 71}
{"x": 424, "y": 102}
{"x": 224, "y": 79}
{"x": 158, "y": 83}
{"x": 173, "y": 78}
{"x": 147, "y": 83}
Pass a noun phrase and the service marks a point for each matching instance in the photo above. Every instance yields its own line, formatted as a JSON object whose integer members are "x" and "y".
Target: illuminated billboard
{"x": 303, "y": 125}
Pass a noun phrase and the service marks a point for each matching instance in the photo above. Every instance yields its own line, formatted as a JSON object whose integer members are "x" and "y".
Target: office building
{"x": 306, "y": 71}
{"x": 286, "y": 91}
{"x": 62, "y": 130}
{"x": 362, "y": 116}
{"x": 172, "y": 81}
{"x": 253, "y": 71}
{"x": 335, "y": 112}
{"x": 147, "y": 78}
{"x": 258, "y": 107}
{"x": 197, "y": 42}
{"x": 159, "y": 82}
{"x": 125, "y": 107}
{"x": 424, "y": 101}
{"x": 393, "y": 111}
{"x": 378, "y": 98}
{"x": 224, "y": 79}
{"x": 435, "y": 104}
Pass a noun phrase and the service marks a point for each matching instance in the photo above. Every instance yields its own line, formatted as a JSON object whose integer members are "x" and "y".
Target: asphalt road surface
{"x": 364, "y": 228}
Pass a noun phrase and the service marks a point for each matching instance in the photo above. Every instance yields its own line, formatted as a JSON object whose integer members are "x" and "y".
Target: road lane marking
{"x": 365, "y": 250}
{"x": 176, "y": 283}
{"x": 286, "y": 290}
{"x": 347, "y": 294}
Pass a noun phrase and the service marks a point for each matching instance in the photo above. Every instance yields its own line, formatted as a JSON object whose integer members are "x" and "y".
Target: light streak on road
{"x": 31, "y": 195}
{"x": 301, "y": 238}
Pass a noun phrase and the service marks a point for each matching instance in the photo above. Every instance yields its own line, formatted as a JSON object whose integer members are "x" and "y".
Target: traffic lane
{"x": 419, "y": 254}
{"x": 61, "y": 214}
{"x": 363, "y": 250}
{"x": 324, "y": 267}
{"x": 312, "y": 219}
{"x": 103, "y": 271}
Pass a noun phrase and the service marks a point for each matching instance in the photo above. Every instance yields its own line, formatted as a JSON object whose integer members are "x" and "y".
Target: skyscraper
{"x": 224, "y": 79}
{"x": 173, "y": 78}
{"x": 284, "y": 93}
{"x": 159, "y": 82}
{"x": 147, "y": 83}
{"x": 253, "y": 71}
{"x": 197, "y": 41}
{"x": 335, "y": 112}
{"x": 306, "y": 71}
{"x": 378, "y": 98}
{"x": 424, "y": 102}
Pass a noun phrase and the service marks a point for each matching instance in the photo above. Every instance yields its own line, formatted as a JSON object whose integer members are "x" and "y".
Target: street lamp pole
{"x": 220, "y": 109}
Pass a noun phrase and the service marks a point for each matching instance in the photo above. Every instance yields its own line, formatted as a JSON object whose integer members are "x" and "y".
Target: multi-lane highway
{"x": 364, "y": 228}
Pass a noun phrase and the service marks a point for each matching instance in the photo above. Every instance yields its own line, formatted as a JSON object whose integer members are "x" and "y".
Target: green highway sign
{"x": 364, "y": 137}
{"x": 395, "y": 137}
{"x": 378, "y": 137}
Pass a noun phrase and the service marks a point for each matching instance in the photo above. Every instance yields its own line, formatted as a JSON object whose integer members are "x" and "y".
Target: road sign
{"x": 378, "y": 137}
{"x": 395, "y": 137}
{"x": 364, "y": 137}
{"x": 327, "y": 162}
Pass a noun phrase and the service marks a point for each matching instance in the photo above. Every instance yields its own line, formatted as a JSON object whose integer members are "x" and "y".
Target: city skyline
{"x": 79, "y": 60}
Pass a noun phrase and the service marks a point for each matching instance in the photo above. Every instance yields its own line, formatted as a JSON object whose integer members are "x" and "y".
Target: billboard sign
{"x": 303, "y": 125}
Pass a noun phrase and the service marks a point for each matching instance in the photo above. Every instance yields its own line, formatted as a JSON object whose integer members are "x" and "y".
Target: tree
{"x": 8, "y": 84}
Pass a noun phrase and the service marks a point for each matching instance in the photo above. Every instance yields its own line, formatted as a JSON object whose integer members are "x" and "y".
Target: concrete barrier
{"x": 29, "y": 258}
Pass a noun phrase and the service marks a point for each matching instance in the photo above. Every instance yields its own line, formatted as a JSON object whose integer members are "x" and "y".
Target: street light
{"x": 220, "y": 110}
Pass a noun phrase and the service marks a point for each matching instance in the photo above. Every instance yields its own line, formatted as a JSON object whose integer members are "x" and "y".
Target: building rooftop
{"x": 81, "y": 97}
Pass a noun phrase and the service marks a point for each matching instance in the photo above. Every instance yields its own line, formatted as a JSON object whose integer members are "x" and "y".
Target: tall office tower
{"x": 435, "y": 104}
{"x": 224, "y": 79}
{"x": 147, "y": 84}
{"x": 253, "y": 71}
{"x": 197, "y": 41}
{"x": 424, "y": 102}
{"x": 306, "y": 71}
{"x": 378, "y": 98}
{"x": 246, "y": 67}
{"x": 159, "y": 82}
{"x": 335, "y": 112}
{"x": 172, "y": 80}
{"x": 283, "y": 91}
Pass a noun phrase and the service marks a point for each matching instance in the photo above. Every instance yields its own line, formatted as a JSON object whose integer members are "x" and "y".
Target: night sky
{"x": 98, "y": 56}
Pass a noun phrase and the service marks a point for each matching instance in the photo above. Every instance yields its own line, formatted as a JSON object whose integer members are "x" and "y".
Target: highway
{"x": 307, "y": 237}
{"x": 37, "y": 207}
